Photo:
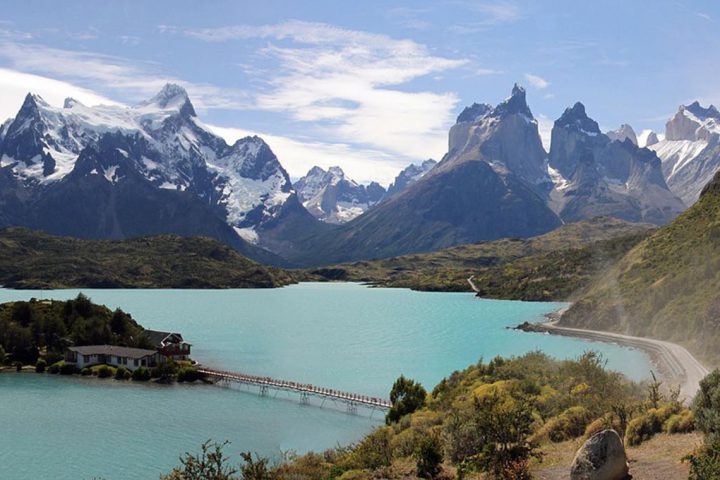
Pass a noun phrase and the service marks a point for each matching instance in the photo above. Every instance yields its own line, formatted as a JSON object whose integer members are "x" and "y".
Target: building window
{"x": 86, "y": 358}
{"x": 144, "y": 362}
{"x": 135, "y": 362}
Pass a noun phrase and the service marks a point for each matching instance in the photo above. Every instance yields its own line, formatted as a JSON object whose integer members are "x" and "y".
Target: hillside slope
{"x": 30, "y": 259}
{"x": 667, "y": 286}
{"x": 548, "y": 267}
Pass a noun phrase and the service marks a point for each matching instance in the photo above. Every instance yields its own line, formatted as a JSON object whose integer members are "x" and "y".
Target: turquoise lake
{"x": 342, "y": 336}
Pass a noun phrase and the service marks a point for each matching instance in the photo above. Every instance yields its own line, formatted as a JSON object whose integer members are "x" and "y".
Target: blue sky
{"x": 370, "y": 86}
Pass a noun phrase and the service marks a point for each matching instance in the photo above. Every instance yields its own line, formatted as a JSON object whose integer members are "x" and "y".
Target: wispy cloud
{"x": 131, "y": 80}
{"x": 485, "y": 15}
{"x": 344, "y": 82}
{"x": 536, "y": 81}
{"x": 15, "y": 85}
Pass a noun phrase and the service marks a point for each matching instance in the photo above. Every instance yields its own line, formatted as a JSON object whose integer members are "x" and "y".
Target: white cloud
{"x": 536, "y": 81}
{"x": 14, "y": 86}
{"x": 131, "y": 80}
{"x": 344, "y": 83}
{"x": 299, "y": 156}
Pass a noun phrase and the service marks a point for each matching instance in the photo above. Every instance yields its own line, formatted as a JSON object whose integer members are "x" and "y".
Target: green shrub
{"x": 141, "y": 374}
{"x": 54, "y": 368}
{"x": 85, "y": 372}
{"x": 682, "y": 422}
{"x": 429, "y": 457}
{"x": 704, "y": 463}
{"x": 104, "y": 371}
{"x": 18, "y": 366}
{"x": 406, "y": 396}
{"x": 67, "y": 369}
{"x": 568, "y": 425}
{"x": 187, "y": 374}
{"x": 120, "y": 373}
{"x": 643, "y": 427}
{"x": 40, "y": 365}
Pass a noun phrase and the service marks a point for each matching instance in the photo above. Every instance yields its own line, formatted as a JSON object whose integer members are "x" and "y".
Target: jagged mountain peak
{"x": 701, "y": 112}
{"x": 577, "y": 117}
{"x": 516, "y": 103}
{"x": 71, "y": 102}
{"x": 473, "y": 112}
{"x": 172, "y": 97}
{"x": 624, "y": 132}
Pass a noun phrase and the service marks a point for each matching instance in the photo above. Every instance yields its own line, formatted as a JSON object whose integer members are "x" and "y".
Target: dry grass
{"x": 656, "y": 459}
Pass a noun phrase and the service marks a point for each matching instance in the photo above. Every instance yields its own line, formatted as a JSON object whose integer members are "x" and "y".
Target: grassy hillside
{"x": 547, "y": 267}
{"x": 30, "y": 259}
{"x": 667, "y": 286}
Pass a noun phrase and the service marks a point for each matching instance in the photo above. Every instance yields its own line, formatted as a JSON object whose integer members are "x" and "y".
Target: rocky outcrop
{"x": 602, "y": 457}
{"x": 594, "y": 175}
{"x": 333, "y": 198}
{"x": 409, "y": 175}
{"x": 690, "y": 152}
{"x": 625, "y": 132}
{"x": 492, "y": 183}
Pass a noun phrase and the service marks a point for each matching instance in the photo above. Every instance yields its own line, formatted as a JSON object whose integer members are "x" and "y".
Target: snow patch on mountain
{"x": 333, "y": 198}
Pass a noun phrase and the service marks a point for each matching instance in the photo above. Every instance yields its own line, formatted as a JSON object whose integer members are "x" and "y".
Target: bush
{"x": 187, "y": 374}
{"x": 682, "y": 422}
{"x": 40, "y": 365}
{"x": 67, "y": 369}
{"x": 122, "y": 373}
{"x": 704, "y": 463}
{"x": 54, "y": 368}
{"x": 429, "y": 457}
{"x": 603, "y": 423}
{"x": 707, "y": 405}
{"x": 643, "y": 428}
{"x": 86, "y": 372}
{"x": 104, "y": 371}
{"x": 568, "y": 425}
{"x": 141, "y": 374}
{"x": 18, "y": 366}
{"x": 2, "y": 355}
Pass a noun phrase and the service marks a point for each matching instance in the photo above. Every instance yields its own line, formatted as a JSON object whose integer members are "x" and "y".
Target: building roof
{"x": 157, "y": 337}
{"x": 112, "y": 350}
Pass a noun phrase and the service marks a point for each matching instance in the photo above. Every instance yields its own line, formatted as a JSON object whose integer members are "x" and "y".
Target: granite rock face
{"x": 602, "y": 457}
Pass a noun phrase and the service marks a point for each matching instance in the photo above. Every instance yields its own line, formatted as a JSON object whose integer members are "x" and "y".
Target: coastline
{"x": 674, "y": 362}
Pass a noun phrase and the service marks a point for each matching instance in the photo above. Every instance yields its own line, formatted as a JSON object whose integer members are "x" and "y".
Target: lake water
{"x": 342, "y": 336}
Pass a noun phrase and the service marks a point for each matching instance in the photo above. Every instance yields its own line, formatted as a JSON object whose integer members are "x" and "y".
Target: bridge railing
{"x": 297, "y": 386}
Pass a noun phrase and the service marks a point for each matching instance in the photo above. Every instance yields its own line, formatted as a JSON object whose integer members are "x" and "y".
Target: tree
{"x": 492, "y": 435}
{"x": 655, "y": 397}
{"x": 210, "y": 464}
{"x": 429, "y": 457}
{"x": 707, "y": 406}
{"x": 406, "y": 397}
{"x": 255, "y": 469}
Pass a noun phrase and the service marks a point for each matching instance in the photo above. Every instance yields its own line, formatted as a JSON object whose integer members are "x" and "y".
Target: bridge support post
{"x": 264, "y": 390}
{"x": 352, "y": 407}
{"x": 305, "y": 398}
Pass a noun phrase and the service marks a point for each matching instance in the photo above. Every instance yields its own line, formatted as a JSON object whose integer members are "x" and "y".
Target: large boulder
{"x": 602, "y": 457}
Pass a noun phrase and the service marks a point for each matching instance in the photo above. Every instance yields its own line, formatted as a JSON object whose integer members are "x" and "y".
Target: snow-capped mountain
{"x": 161, "y": 142}
{"x": 595, "y": 175}
{"x": 409, "y": 175}
{"x": 690, "y": 151}
{"x": 333, "y": 198}
{"x": 625, "y": 132}
{"x": 647, "y": 138}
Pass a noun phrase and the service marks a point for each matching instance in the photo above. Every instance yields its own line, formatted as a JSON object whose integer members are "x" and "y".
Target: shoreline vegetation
{"x": 35, "y": 260}
{"x": 34, "y": 336}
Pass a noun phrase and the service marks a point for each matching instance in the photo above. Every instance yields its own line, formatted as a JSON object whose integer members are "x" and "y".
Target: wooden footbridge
{"x": 267, "y": 384}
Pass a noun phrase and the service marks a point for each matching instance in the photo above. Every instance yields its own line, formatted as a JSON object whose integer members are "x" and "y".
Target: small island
{"x": 79, "y": 337}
